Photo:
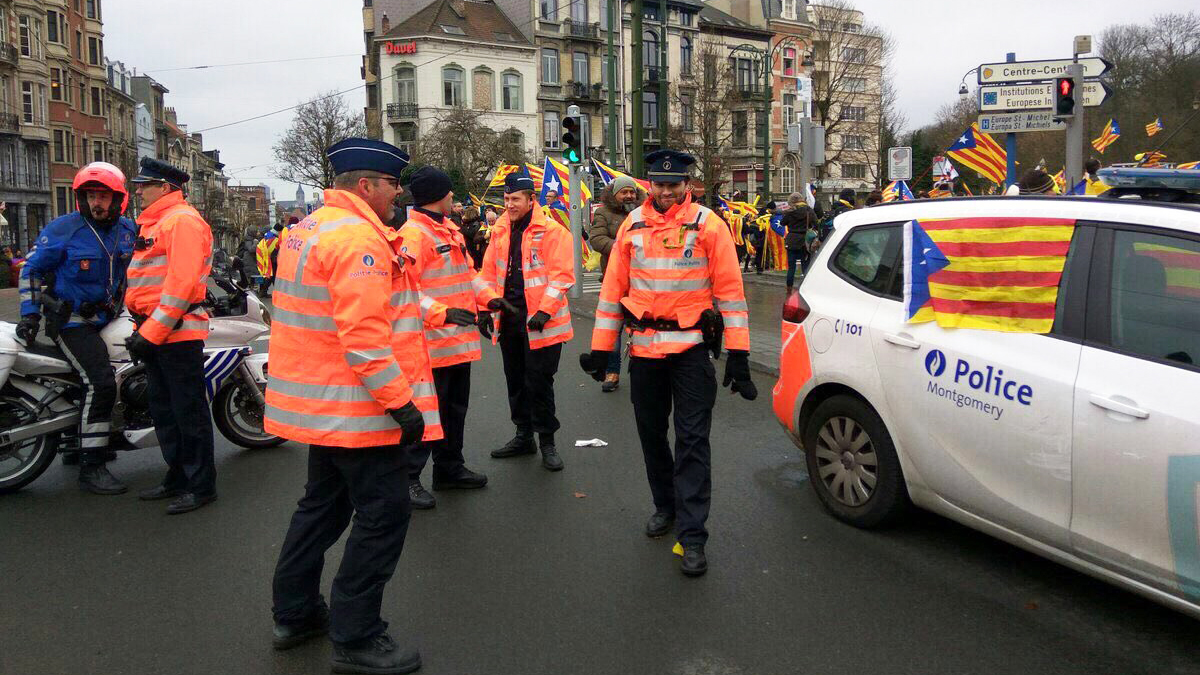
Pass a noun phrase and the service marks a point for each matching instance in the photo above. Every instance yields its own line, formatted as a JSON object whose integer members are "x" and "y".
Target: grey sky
{"x": 935, "y": 48}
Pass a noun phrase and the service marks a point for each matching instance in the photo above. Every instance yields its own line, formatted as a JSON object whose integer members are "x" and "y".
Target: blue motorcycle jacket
{"x": 85, "y": 262}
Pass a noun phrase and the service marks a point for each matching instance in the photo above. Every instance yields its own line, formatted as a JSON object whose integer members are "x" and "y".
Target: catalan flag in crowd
{"x": 1188, "y": 165}
{"x": 977, "y": 150}
{"x": 1112, "y": 131}
{"x": 1154, "y": 127}
{"x": 502, "y": 172}
{"x": 1060, "y": 182}
{"x": 986, "y": 273}
{"x": 609, "y": 174}
{"x": 1153, "y": 158}
{"x": 563, "y": 175}
{"x": 775, "y": 255}
{"x": 897, "y": 190}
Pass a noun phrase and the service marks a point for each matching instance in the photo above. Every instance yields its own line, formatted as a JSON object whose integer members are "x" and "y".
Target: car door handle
{"x": 901, "y": 341}
{"x": 1117, "y": 406}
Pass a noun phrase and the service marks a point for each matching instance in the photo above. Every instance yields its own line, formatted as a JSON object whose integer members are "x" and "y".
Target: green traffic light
{"x": 572, "y": 156}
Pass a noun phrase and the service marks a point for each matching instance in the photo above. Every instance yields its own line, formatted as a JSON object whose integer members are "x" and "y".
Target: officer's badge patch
{"x": 368, "y": 261}
{"x": 687, "y": 253}
{"x": 85, "y": 265}
{"x": 444, "y": 248}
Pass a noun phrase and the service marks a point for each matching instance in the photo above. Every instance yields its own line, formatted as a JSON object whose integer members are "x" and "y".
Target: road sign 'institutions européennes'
{"x": 1030, "y": 71}
{"x": 1010, "y": 123}
{"x": 1036, "y": 96}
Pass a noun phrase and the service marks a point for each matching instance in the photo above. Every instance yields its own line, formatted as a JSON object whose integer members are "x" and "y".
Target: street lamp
{"x": 766, "y": 59}
{"x": 963, "y": 92}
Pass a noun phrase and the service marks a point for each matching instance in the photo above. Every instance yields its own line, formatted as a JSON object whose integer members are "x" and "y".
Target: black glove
{"x": 485, "y": 325}
{"x": 538, "y": 320}
{"x": 737, "y": 373}
{"x": 595, "y": 363}
{"x": 139, "y": 347}
{"x": 411, "y": 423}
{"x": 460, "y": 317}
{"x": 503, "y": 305}
{"x": 27, "y": 329}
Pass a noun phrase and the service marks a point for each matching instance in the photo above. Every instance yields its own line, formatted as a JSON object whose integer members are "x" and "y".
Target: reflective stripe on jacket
{"x": 447, "y": 277}
{"x": 671, "y": 266}
{"x": 347, "y": 341}
{"x": 171, "y": 274}
{"x": 549, "y": 268}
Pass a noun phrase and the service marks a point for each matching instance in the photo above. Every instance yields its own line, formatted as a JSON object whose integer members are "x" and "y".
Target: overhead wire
{"x": 250, "y": 63}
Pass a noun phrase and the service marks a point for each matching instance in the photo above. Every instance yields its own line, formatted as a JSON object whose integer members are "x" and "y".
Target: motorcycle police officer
{"x": 77, "y": 272}
{"x": 672, "y": 260}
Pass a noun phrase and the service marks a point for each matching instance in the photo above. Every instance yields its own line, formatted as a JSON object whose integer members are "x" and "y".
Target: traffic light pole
{"x": 1073, "y": 166}
{"x": 576, "y": 221}
{"x": 1010, "y": 145}
{"x": 663, "y": 87}
{"x": 635, "y": 159}
{"x": 611, "y": 141}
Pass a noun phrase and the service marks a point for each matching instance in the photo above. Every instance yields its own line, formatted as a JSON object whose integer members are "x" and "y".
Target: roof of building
{"x": 475, "y": 20}
{"x": 711, "y": 16}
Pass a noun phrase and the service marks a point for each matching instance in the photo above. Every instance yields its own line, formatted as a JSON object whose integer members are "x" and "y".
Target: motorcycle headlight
{"x": 266, "y": 315}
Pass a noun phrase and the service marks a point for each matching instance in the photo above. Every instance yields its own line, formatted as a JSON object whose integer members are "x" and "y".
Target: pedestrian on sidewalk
{"x": 473, "y": 222}
{"x": 528, "y": 268}
{"x": 799, "y": 219}
{"x": 350, "y": 377}
{"x": 616, "y": 201}
{"x": 446, "y": 276}
{"x": 672, "y": 261}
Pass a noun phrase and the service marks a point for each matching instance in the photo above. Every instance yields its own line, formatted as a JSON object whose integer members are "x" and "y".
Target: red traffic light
{"x": 1065, "y": 86}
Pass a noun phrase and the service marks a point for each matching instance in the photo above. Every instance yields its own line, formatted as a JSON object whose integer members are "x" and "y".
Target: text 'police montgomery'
{"x": 988, "y": 380}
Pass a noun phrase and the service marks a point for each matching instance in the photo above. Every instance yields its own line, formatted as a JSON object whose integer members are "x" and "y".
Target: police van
{"x": 1081, "y": 444}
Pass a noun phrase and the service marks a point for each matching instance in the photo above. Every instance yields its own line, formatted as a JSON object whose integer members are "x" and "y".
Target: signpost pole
{"x": 1010, "y": 145}
{"x": 1073, "y": 169}
{"x": 576, "y": 214}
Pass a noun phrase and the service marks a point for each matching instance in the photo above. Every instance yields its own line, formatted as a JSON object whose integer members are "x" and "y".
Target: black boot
{"x": 286, "y": 636}
{"x": 419, "y": 497}
{"x": 464, "y": 479}
{"x": 550, "y": 459}
{"x": 659, "y": 524}
{"x": 96, "y": 479}
{"x": 521, "y": 444}
{"x": 380, "y": 655}
{"x": 694, "y": 563}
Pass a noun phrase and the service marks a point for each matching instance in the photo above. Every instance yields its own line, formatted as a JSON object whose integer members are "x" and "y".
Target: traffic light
{"x": 1064, "y": 97}
{"x": 572, "y": 138}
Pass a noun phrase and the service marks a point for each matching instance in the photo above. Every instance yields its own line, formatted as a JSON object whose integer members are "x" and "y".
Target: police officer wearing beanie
{"x": 672, "y": 262}
{"x": 440, "y": 260}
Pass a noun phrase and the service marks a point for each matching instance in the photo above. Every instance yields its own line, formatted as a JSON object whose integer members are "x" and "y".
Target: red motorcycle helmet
{"x": 101, "y": 175}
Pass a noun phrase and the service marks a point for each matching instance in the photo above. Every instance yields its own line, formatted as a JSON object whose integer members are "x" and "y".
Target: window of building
{"x": 852, "y": 27}
{"x": 42, "y": 113}
{"x": 649, "y": 49}
{"x": 515, "y": 138}
{"x": 406, "y": 84}
{"x": 710, "y": 70}
{"x": 650, "y": 109}
{"x": 854, "y": 55}
{"x": 854, "y": 171}
{"x": 579, "y": 68}
{"x": 741, "y": 129}
{"x": 744, "y": 73}
{"x": 549, "y": 9}
{"x": 94, "y": 51}
{"x": 789, "y": 62}
{"x": 760, "y": 123}
{"x": 854, "y": 113}
{"x": 98, "y": 151}
{"x": 511, "y": 96}
{"x": 79, "y": 44}
{"x": 60, "y": 152}
{"x": 452, "y": 86}
{"x": 93, "y": 9}
{"x": 789, "y": 108}
{"x": 604, "y": 7}
{"x": 650, "y": 11}
{"x": 549, "y": 65}
{"x": 550, "y": 129}
{"x": 829, "y": 25}
{"x": 850, "y": 142}
{"x": 450, "y": 29}
{"x": 25, "y": 32}
{"x": 56, "y": 27}
{"x": 788, "y": 11}
{"x": 685, "y": 55}
{"x": 96, "y": 106}
{"x": 56, "y": 88}
{"x": 483, "y": 89}
{"x": 687, "y": 19}
{"x": 579, "y": 12}
{"x": 687, "y": 112}
{"x": 855, "y": 85}
{"x": 27, "y": 102}
{"x": 61, "y": 200}
{"x": 585, "y": 130}
{"x": 604, "y": 66}
{"x": 787, "y": 175}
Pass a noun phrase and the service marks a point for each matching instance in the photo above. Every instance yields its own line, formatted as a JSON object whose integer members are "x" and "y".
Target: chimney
{"x": 386, "y": 24}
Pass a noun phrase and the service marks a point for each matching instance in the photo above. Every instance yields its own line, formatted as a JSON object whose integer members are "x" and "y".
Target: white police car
{"x": 1082, "y": 444}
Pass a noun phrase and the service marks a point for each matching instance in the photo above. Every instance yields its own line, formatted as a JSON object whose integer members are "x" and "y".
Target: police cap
{"x": 517, "y": 181}
{"x": 157, "y": 171}
{"x": 365, "y": 154}
{"x": 668, "y": 166}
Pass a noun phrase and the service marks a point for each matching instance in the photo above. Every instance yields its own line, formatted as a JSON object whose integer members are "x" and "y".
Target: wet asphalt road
{"x": 550, "y": 573}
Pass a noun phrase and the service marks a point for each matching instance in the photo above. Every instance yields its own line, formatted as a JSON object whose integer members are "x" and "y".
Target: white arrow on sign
{"x": 1037, "y": 96}
{"x": 1031, "y": 71}
{"x": 1012, "y": 123}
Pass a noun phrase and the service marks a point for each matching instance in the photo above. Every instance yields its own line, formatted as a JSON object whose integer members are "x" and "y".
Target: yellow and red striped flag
{"x": 502, "y": 172}
{"x": 1153, "y": 158}
{"x": 1188, "y": 165}
{"x": 1154, "y": 127}
{"x": 1060, "y": 182}
{"x": 1112, "y": 131}
{"x": 1003, "y": 273}
{"x": 977, "y": 150}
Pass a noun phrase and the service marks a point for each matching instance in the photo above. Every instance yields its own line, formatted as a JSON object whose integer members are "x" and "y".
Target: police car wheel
{"x": 22, "y": 462}
{"x": 852, "y": 464}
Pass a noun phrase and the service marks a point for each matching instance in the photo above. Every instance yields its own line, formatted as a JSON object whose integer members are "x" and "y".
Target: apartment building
{"x": 121, "y": 107}
{"x": 24, "y": 133}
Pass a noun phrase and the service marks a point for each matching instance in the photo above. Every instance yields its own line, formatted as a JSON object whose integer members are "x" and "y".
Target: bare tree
{"x": 318, "y": 124}
{"x": 705, "y": 114}
{"x": 849, "y": 91}
{"x": 462, "y": 144}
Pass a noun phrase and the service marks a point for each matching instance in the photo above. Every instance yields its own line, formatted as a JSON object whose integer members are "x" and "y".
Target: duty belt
{"x": 655, "y": 324}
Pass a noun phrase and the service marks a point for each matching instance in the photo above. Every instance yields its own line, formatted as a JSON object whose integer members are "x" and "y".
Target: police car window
{"x": 870, "y": 258}
{"x": 1155, "y": 296}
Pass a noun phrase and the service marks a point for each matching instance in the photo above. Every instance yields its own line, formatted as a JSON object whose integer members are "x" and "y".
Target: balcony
{"x": 580, "y": 30}
{"x": 748, "y": 90}
{"x": 656, "y": 73}
{"x": 9, "y": 53}
{"x": 401, "y": 111}
{"x": 582, "y": 91}
{"x": 10, "y": 123}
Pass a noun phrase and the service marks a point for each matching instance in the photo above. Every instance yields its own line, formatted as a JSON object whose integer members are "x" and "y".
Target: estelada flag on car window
{"x": 999, "y": 273}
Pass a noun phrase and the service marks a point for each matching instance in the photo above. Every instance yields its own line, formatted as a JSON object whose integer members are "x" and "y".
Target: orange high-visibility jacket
{"x": 171, "y": 275}
{"x": 440, "y": 251}
{"x": 549, "y": 269}
{"x": 347, "y": 340}
{"x": 671, "y": 266}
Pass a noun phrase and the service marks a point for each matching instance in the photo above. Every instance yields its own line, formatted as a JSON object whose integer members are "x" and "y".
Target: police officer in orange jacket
{"x": 350, "y": 377}
{"x": 167, "y": 282}
{"x": 440, "y": 260}
{"x": 527, "y": 270}
{"x": 673, "y": 261}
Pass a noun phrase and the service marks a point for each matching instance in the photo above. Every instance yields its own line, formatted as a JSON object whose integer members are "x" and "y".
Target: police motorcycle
{"x": 41, "y": 396}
